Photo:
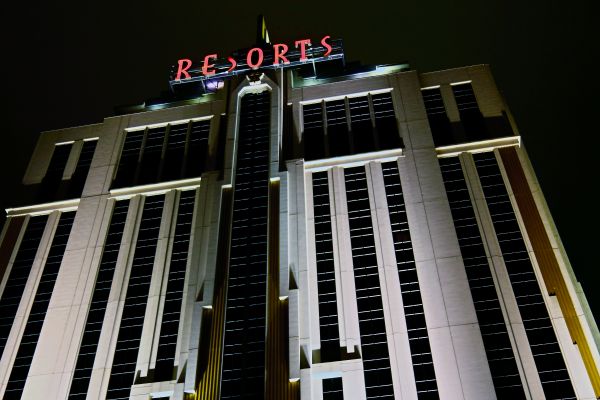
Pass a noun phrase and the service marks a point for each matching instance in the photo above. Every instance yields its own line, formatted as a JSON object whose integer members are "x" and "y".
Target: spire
{"x": 262, "y": 34}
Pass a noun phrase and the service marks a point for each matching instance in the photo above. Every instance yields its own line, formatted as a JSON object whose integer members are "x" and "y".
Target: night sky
{"x": 69, "y": 65}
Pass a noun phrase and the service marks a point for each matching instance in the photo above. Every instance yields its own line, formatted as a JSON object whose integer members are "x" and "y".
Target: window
{"x": 441, "y": 129}
{"x": 351, "y": 125}
{"x": 333, "y": 389}
{"x": 470, "y": 116}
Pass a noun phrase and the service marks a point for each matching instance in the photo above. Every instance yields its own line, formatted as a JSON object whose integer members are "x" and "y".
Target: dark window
{"x": 122, "y": 373}
{"x": 52, "y": 186}
{"x": 385, "y": 121}
{"x": 328, "y": 314}
{"x": 441, "y": 129}
{"x": 409, "y": 285}
{"x": 169, "y": 327}
{"x": 130, "y": 155}
{"x": 538, "y": 327}
{"x": 95, "y": 318}
{"x": 18, "y": 275}
{"x": 152, "y": 154}
{"x": 470, "y": 116}
{"x": 197, "y": 148}
{"x": 81, "y": 170}
{"x": 375, "y": 355}
{"x": 361, "y": 124}
{"x": 313, "y": 136}
{"x": 243, "y": 371}
{"x": 498, "y": 348}
{"x": 41, "y": 300}
{"x": 333, "y": 389}
{"x": 337, "y": 128}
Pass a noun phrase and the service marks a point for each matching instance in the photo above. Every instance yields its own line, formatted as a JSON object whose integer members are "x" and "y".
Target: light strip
{"x": 155, "y": 188}
{"x": 459, "y": 83}
{"x": 353, "y": 160}
{"x": 477, "y": 147}
{"x": 431, "y": 87}
{"x": 45, "y": 208}
{"x": 162, "y": 124}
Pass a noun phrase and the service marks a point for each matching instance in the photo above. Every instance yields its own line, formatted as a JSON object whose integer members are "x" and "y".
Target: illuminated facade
{"x": 318, "y": 232}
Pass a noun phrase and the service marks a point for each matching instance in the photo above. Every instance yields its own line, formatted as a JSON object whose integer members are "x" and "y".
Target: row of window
{"x": 498, "y": 348}
{"x": 159, "y": 154}
{"x": 472, "y": 126}
{"x": 348, "y": 126}
{"x": 54, "y": 185}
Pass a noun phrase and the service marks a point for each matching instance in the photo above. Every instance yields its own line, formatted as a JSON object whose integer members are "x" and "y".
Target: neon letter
{"x": 303, "y": 43}
{"x": 260, "y": 58}
{"x": 181, "y": 70}
{"x": 280, "y": 54}
{"x": 206, "y": 65}
{"x": 326, "y": 45}
{"x": 232, "y": 62}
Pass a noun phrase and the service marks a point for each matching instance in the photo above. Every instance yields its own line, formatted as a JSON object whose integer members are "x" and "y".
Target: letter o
{"x": 259, "y": 62}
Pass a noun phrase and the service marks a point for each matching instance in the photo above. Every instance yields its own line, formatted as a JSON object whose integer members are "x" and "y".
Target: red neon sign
{"x": 255, "y": 58}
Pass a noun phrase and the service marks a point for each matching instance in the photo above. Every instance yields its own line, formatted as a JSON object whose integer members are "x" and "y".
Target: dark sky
{"x": 70, "y": 64}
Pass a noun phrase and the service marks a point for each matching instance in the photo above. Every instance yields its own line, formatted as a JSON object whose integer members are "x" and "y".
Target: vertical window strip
{"x": 129, "y": 159}
{"x": 328, "y": 312}
{"x": 465, "y": 97}
{"x": 18, "y": 275}
{"x": 175, "y": 152}
{"x": 385, "y": 121}
{"x": 82, "y": 169}
{"x": 361, "y": 124}
{"x": 313, "y": 135}
{"x": 439, "y": 123}
{"x": 39, "y": 308}
{"x": 414, "y": 313}
{"x": 58, "y": 162}
{"x": 97, "y": 310}
{"x": 540, "y": 333}
{"x": 152, "y": 154}
{"x": 197, "y": 148}
{"x": 169, "y": 327}
{"x": 496, "y": 341}
{"x": 333, "y": 389}
{"x": 243, "y": 372}
{"x": 375, "y": 353}
{"x": 122, "y": 373}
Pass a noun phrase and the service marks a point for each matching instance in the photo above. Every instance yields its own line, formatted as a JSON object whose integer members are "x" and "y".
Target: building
{"x": 319, "y": 231}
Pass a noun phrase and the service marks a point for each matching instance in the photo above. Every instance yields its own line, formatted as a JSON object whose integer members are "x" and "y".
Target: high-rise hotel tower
{"x": 318, "y": 231}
